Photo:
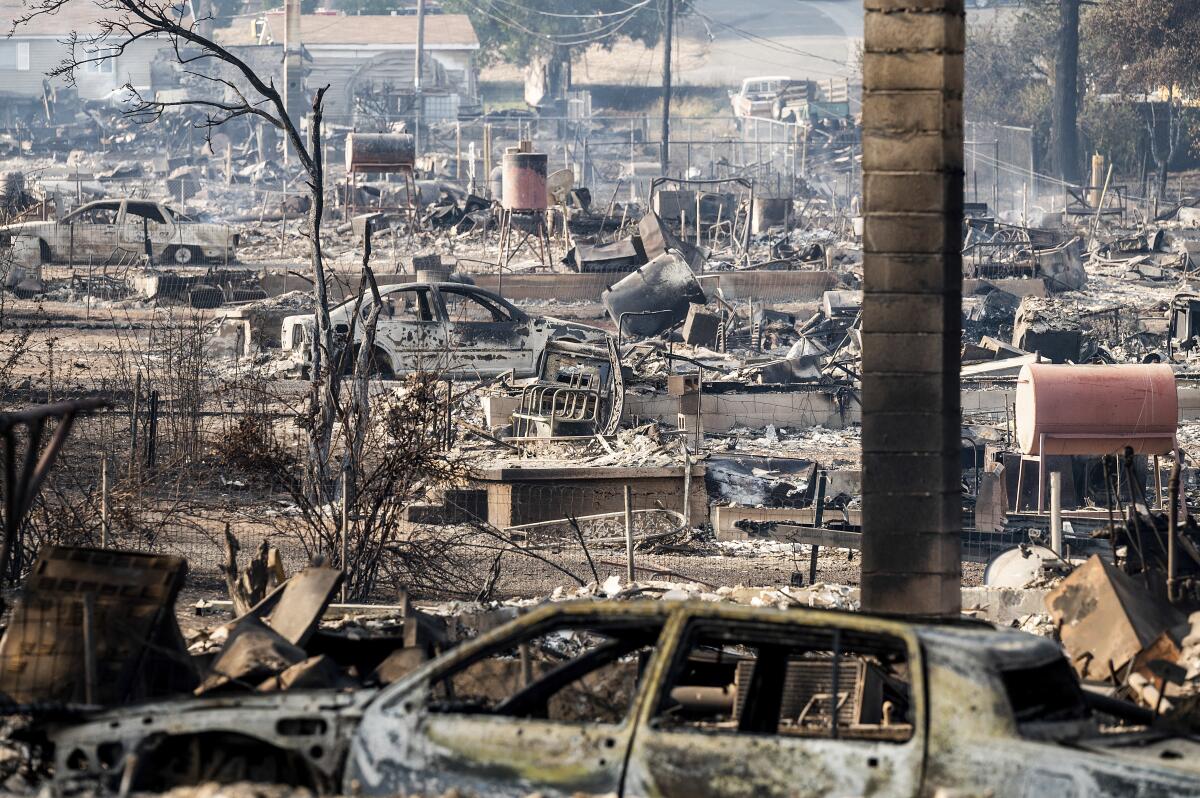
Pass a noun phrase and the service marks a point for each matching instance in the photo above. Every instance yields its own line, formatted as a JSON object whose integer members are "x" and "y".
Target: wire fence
{"x": 164, "y": 470}
{"x": 170, "y": 466}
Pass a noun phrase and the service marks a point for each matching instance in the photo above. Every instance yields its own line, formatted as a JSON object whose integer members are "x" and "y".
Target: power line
{"x": 594, "y": 15}
{"x": 589, "y": 38}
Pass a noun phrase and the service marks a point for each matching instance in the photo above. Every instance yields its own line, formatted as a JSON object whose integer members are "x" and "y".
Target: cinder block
{"x": 903, "y": 473}
{"x": 423, "y": 263}
{"x": 912, "y": 192}
{"x": 906, "y": 151}
{"x": 892, "y": 32}
{"x": 910, "y": 232}
{"x": 897, "y": 71}
{"x": 921, "y": 431}
{"x": 924, "y": 550}
{"x": 941, "y": 507}
{"x": 908, "y": 353}
{"x": 701, "y": 326}
{"x": 682, "y": 384}
{"x": 928, "y": 595}
{"x": 916, "y": 110}
{"x": 887, "y": 273}
{"x": 910, "y": 312}
{"x": 908, "y": 393}
{"x": 915, "y": 6}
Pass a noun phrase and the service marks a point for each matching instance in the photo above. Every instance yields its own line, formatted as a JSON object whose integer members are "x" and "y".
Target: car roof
{"x": 116, "y": 203}
{"x": 961, "y": 628}
{"x": 962, "y": 636}
{"x": 441, "y": 285}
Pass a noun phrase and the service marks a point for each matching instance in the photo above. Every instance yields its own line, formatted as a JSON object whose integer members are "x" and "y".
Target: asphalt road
{"x": 816, "y": 39}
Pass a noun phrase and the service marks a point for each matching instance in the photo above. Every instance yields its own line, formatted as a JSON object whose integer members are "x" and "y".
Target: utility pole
{"x": 1065, "y": 111}
{"x": 420, "y": 65}
{"x": 665, "y": 149}
{"x": 293, "y": 68}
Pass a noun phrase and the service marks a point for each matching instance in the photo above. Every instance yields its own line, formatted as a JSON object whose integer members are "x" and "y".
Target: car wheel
{"x": 184, "y": 256}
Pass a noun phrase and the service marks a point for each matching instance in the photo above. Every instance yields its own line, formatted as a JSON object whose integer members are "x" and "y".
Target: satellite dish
{"x": 559, "y": 185}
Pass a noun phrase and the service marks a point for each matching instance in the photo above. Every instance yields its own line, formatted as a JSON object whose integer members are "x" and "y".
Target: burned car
{"x": 670, "y": 699}
{"x": 107, "y": 230}
{"x": 449, "y": 328}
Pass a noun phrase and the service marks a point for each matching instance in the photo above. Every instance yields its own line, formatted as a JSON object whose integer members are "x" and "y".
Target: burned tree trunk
{"x": 325, "y": 377}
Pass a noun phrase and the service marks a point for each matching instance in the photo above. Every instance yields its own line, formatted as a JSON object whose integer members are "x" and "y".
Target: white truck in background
{"x": 784, "y": 99}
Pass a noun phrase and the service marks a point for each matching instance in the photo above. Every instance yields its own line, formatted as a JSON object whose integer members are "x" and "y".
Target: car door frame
{"x": 158, "y": 244}
{"x": 405, "y": 359}
{"x": 396, "y": 719}
{"x": 459, "y": 334}
{"x": 721, "y": 747}
{"x": 69, "y": 245}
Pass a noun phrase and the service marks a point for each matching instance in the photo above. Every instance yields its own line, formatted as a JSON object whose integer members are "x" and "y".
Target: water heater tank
{"x": 496, "y": 182}
{"x": 1096, "y": 409}
{"x": 524, "y": 181}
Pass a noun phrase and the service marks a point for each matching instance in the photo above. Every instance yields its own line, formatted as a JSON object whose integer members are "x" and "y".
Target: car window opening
{"x": 576, "y": 675}
{"x": 818, "y": 683}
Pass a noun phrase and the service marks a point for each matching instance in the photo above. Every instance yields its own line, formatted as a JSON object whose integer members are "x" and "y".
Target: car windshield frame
{"x": 93, "y": 206}
{"x": 484, "y": 298}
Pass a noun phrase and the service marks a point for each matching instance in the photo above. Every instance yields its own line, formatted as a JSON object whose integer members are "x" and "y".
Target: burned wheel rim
{"x": 182, "y": 255}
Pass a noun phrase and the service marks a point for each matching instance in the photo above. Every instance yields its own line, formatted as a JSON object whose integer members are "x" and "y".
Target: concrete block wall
{"x": 912, "y": 182}
{"x": 725, "y": 411}
{"x": 512, "y": 503}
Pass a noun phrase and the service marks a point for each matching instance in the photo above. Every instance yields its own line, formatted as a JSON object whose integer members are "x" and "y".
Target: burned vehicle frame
{"x": 448, "y": 328}
{"x": 107, "y": 230}
{"x": 672, "y": 699}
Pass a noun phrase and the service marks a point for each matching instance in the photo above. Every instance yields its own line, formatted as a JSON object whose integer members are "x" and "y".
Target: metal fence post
{"x": 687, "y": 485}
{"x": 134, "y": 418}
{"x": 818, "y": 521}
{"x": 629, "y": 569}
{"x": 1056, "y": 527}
{"x": 104, "y": 502}
{"x": 345, "y": 532}
{"x": 152, "y": 433}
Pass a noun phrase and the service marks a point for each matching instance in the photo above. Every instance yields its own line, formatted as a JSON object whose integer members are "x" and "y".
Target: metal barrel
{"x": 524, "y": 181}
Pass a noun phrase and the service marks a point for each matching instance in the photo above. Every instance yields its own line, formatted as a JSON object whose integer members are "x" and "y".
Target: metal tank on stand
{"x": 382, "y": 153}
{"x": 523, "y": 205}
{"x": 1094, "y": 410}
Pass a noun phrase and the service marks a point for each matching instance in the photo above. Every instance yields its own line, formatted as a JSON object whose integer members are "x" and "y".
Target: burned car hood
{"x": 27, "y": 227}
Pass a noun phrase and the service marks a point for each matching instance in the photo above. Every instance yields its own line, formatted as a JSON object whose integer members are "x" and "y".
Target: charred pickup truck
{"x": 448, "y": 328}
{"x": 107, "y": 230}
{"x": 687, "y": 699}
